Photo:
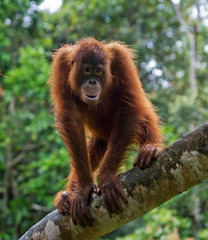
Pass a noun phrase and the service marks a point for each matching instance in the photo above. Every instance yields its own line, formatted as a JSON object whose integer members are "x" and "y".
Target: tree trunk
{"x": 179, "y": 167}
{"x": 192, "y": 51}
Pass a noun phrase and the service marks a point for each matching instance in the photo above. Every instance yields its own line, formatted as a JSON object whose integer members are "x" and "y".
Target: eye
{"x": 87, "y": 71}
{"x": 98, "y": 71}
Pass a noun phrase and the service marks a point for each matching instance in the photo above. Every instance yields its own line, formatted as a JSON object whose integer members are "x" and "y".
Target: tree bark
{"x": 179, "y": 167}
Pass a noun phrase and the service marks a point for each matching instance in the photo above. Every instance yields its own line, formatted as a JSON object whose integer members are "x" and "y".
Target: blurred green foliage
{"x": 33, "y": 158}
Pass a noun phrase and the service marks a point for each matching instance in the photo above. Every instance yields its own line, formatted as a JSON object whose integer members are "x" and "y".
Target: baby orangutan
{"x": 95, "y": 86}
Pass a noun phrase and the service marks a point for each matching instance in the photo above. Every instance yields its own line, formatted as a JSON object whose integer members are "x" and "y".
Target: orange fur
{"x": 123, "y": 116}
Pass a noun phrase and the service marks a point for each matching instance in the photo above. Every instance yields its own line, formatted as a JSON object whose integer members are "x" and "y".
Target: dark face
{"x": 91, "y": 86}
{"x": 91, "y": 75}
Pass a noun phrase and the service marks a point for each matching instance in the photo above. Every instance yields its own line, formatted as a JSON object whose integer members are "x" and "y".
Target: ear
{"x": 60, "y": 68}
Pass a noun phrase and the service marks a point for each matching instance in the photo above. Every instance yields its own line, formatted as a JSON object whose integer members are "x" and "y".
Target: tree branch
{"x": 179, "y": 167}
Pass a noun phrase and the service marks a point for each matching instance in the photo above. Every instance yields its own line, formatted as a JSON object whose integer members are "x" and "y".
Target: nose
{"x": 92, "y": 82}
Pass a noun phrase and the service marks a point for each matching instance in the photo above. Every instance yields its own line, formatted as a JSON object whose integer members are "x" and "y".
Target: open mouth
{"x": 92, "y": 97}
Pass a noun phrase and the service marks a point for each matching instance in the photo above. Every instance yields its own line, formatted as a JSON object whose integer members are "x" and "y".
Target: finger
{"x": 65, "y": 208}
{"x": 74, "y": 220}
{"x": 112, "y": 200}
{"x": 149, "y": 159}
{"x": 136, "y": 162}
{"x": 122, "y": 194}
{"x": 144, "y": 157}
{"x": 87, "y": 218}
{"x": 59, "y": 207}
{"x": 108, "y": 207}
{"x": 81, "y": 222}
{"x": 87, "y": 191}
{"x": 141, "y": 154}
{"x": 139, "y": 158}
{"x": 150, "y": 155}
{"x": 99, "y": 191}
{"x": 116, "y": 201}
{"x": 156, "y": 153}
{"x": 73, "y": 215}
{"x": 65, "y": 196}
{"x": 61, "y": 211}
{"x": 141, "y": 164}
{"x": 109, "y": 200}
{"x": 87, "y": 215}
{"x": 79, "y": 214}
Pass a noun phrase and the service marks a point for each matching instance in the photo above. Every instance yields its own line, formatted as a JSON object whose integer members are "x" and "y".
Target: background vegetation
{"x": 171, "y": 44}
